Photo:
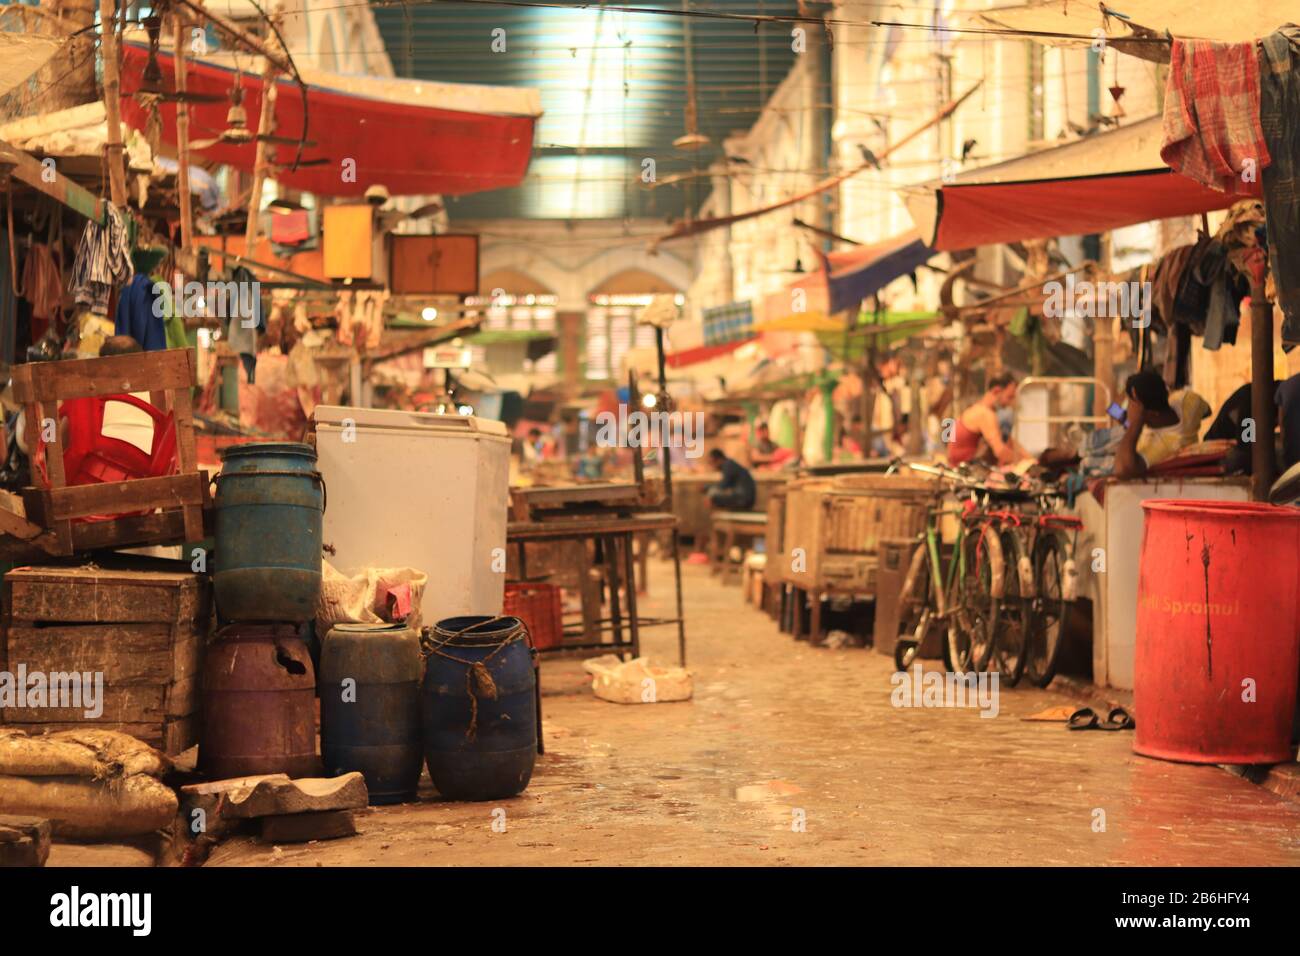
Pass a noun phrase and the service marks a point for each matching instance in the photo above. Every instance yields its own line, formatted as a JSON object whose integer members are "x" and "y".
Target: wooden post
{"x": 1103, "y": 342}
{"x": 265, "y": 126}
{"x": 112, "y": 97}
{"x": 1262, "y": 456}
{"x": 182, "y": 132}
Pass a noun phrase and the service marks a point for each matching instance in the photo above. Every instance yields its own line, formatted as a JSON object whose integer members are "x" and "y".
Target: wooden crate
{"x": 168, "y": 376}
{"x": 143, "y": 630}
{"x": 774, "y": 543}
{"x": 839, "y": 525}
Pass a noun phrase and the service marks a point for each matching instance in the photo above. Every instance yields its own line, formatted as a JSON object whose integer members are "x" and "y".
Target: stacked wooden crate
{"x": 144, "y": 631}
{"x": 839, "y": 524}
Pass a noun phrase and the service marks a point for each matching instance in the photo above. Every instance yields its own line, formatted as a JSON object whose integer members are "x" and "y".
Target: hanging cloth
{"x": 1279, "y": 64}
{"x": 1211, "y": 121}
{"x": 141, "y": 312}
{"x": 102, "y": 262}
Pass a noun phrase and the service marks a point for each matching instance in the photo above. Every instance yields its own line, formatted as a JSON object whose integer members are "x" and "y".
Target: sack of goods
{"x": 89, "y": 784}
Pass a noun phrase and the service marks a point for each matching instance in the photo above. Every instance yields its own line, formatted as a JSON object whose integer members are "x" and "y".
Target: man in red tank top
{"x": 980, "y": 422}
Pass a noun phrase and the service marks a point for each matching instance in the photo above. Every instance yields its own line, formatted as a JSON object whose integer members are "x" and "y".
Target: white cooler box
{"x": 408, "y": 489}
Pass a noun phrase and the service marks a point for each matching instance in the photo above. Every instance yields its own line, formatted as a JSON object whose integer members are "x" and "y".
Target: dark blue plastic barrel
{"x": 370, "y": 707}
{"x": 269, "y": 504}
{"x": 478, "y": 703}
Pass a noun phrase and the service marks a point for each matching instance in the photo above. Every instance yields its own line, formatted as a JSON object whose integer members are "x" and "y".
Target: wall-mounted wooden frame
{"x": 433, "y": 265}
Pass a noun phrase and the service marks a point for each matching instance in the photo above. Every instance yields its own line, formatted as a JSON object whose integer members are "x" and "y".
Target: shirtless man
{"x": 980, "y": 421}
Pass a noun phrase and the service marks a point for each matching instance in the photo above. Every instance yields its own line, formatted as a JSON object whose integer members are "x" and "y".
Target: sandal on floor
{"x": 1085, "y": 718}
{"x": 1118, "y": 719}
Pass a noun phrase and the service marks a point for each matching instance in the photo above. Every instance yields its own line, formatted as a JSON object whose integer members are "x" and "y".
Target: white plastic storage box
{"x": 408, "y": 489}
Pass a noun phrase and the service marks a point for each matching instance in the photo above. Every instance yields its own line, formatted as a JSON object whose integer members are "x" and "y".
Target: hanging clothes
{"x": 1211, "y": 122}
{"x": 241, "y": 331}
{"x": 141, "y": 312}
{"x": 1279, "y": 68}
{"x": 43, "y": 288}
{"x": 102, "y": 262}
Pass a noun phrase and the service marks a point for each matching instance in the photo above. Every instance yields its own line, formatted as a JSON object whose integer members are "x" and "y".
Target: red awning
{"x": 1105, "y": 181}
{"x": 476, "y": 138}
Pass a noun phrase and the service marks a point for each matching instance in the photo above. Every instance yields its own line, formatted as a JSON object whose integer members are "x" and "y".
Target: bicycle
{"x": 1055, "y": 582}
{"x": 962, "y": 595}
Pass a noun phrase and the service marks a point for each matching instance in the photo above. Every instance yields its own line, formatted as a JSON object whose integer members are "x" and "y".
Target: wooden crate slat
{"x": 132, "y": 654}
{"x": 141, "y": 703}
{"x": 81, "y": 500}
{"x": 68, "y": 595}
{"x": 110, "y": 375}
{"x": 172, "y": 736}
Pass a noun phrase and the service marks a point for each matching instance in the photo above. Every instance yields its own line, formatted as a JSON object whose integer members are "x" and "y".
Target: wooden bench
{"x": 728, "y": 527}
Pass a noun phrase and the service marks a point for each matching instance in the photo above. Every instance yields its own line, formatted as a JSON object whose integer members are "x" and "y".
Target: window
{"x": 523, "y": 313}
{"x": 612, "y": 330}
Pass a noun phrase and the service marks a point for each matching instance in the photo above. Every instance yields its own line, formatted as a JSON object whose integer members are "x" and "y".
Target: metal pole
{"x": 663, "y": 398}
{"x": 681, "y": 614}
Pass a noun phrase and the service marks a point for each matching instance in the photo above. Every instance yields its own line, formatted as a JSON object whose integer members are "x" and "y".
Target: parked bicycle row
{"x": 993, "y": 574}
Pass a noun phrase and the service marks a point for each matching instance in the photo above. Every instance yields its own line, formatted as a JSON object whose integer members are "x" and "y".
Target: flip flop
{"x": 1085, "y": 718}
{"x": 1118, "y": 719}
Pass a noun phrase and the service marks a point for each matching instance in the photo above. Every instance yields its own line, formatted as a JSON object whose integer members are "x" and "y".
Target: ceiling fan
{"x": 151, "y": 79}
{"x": 237, "y": 132}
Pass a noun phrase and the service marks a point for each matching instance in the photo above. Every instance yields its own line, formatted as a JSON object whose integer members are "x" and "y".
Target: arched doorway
{"x": 611, "y": 326}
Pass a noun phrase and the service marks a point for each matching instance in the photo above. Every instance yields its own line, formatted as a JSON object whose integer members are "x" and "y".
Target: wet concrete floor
{"x": 795, "y": 755}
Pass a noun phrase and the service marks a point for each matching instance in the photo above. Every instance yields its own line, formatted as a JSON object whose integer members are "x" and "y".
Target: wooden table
{"x": 727, "y": 527}
{"x": 613, "y": 535}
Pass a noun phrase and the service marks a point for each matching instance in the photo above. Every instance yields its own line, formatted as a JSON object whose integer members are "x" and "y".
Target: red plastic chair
{"x": 90, "y": 456}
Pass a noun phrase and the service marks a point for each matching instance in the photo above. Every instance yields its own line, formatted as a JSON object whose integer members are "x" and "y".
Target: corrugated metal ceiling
{"x": 613, "y": 88}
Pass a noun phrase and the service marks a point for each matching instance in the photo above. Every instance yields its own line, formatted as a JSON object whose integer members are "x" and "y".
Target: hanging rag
{"x": 241, "y": 331}
{"x": 43, "y": 288}
{"x": 141, "y": 313}
{"x": 1279, "y": 68}
{"x": 1211, "y": 123}
{"x": 102, "y": 262}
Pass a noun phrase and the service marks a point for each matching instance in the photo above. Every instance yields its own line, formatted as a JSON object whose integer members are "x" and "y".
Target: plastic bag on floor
{"x": 636, "y": 681}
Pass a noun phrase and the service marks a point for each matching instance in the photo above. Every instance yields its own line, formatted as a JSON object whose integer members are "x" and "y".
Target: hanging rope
{"x": 478, "y": 678}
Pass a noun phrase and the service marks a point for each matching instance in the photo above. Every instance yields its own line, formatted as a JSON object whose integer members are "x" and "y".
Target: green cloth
{"x": 178, "y": 337}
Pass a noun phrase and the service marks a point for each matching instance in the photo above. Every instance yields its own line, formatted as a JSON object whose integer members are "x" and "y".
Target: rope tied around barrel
{"x": 478, "y": 678}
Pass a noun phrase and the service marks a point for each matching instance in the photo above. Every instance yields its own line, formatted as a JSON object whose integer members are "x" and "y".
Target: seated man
{"x": 736, "y": 491}
{"x": 764, "y": 450}
{"x": 1158, "y": 425}
{"x": 978, "y": 431}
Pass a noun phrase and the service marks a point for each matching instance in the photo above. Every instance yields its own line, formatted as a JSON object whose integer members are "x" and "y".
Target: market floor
{"x": 790, "y": 754}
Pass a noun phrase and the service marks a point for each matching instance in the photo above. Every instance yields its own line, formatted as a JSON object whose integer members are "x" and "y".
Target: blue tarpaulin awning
{"x": 862, "y": 272}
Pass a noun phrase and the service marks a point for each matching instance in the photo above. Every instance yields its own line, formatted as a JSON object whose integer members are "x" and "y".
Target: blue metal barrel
{"x": 370, "y": 707}
{"x": 269, "y": 504}
{"x": 479, "y": 706}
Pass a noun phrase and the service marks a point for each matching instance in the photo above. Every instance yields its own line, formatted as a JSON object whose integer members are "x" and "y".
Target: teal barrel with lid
{"x": 269, "y": 504}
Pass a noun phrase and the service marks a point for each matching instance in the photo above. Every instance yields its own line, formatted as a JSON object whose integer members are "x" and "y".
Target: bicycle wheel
{"x": 1050, "y": 606}
{"x": 972, "y": 608}
{"x": 914, "y": 613}
{"x": 1014, "y": 611}
{"x": 983, "y": 599}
